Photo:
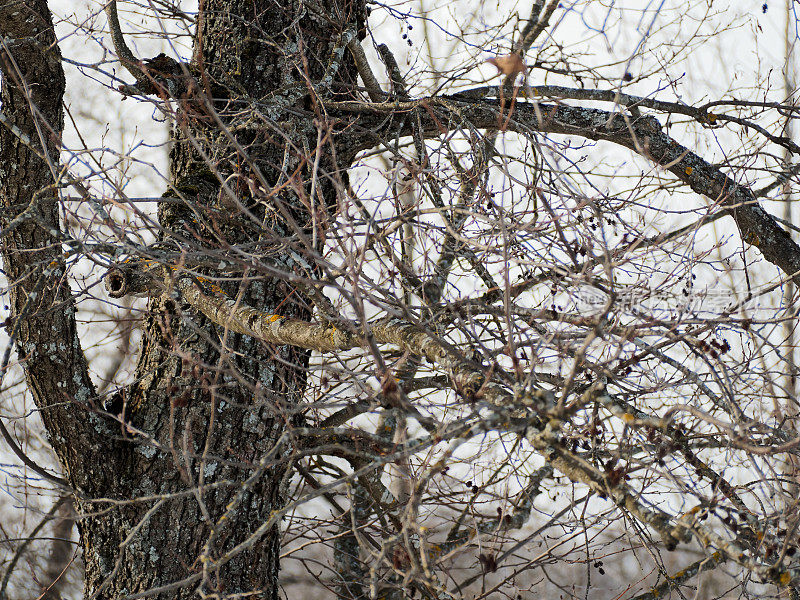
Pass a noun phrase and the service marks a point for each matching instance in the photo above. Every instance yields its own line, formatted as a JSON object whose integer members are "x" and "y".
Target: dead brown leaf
{"x": 509, "y": 65}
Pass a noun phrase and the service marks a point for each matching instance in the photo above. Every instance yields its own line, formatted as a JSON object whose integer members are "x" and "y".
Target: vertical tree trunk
{"x": 209, "y": 407}
{"x": 222, "y": 401}
{"x": 42, "y": 307}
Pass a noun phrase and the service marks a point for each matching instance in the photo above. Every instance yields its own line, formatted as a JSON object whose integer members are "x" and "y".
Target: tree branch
{"x": 644, "y": 136}
{"x": 276, "y": 329}
{"x": 126, "y": 57}
{"x": 543, "y": 437}
{"x": 42, "y": 306}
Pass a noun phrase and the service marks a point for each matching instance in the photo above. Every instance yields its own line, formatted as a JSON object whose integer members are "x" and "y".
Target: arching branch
{"x": 644, "y": 136}
{"x": 126, "y": 57}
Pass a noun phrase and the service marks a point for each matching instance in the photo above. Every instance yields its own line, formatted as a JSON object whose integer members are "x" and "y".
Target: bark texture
{"x": 216, "y": 403}
{"x": 210, "y": 408}
{"x": 42, "y": 305}
{"x": 193, "y": 476}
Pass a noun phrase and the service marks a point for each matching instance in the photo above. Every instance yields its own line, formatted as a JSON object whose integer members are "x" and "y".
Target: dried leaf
{"x": 510, "y": 65}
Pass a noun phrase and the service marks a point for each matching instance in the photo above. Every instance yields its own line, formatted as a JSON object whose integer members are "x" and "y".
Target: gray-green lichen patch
{"x": 147, "y": 451}
{"x": 210, "y": 469}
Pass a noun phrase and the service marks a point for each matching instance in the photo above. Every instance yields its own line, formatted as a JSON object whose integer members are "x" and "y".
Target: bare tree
{"x": 451, "y": 327}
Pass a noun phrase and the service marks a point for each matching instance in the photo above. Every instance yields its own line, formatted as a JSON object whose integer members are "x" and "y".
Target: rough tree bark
{"x": 200, "y": 391}
{"x": 193, "y": 458}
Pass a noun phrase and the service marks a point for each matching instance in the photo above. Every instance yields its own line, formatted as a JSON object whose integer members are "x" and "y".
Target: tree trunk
{"x": 206, "y": 447}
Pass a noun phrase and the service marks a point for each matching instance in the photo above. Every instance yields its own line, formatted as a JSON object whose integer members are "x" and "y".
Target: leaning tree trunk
{"x": 206, "y": 446}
